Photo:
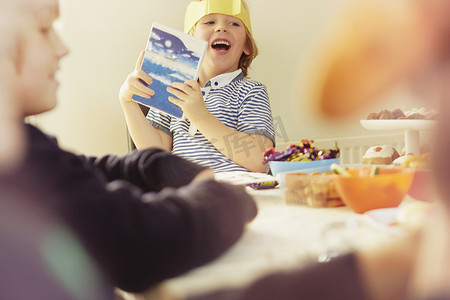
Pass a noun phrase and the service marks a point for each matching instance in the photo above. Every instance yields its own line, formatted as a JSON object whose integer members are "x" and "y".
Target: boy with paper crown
{"x": 228, "y": 120}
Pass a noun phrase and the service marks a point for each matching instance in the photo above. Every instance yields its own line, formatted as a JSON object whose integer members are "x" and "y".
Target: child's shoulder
{"x": 250, "y": 83}
{"x": 249, "y": 89}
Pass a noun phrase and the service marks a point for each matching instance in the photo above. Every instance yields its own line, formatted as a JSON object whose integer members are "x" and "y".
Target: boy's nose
{"x": 221, "y": 27}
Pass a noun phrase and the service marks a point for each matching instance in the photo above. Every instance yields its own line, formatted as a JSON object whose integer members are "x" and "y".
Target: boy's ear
{"x": 20, "y": 42}
{"x": 248, "y": 47}
{"x": 15, "y": 48}
{"x": 18, "y": 55}
{"x": 10, "y": 46}
{"x": 247, "y": 51}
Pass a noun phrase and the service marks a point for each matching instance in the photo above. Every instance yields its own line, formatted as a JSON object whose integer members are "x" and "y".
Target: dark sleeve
{"x": 137, "y": 238}
{"x": 337, "y": 280}
{"x": 141, "y": 239}
{"x": 149, "y": 169}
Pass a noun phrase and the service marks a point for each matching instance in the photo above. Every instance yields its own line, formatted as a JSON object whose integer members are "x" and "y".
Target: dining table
{"x": 281, "y": 237}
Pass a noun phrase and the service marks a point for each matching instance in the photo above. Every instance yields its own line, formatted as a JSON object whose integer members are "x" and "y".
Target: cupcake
{"x": 380, "y": 155}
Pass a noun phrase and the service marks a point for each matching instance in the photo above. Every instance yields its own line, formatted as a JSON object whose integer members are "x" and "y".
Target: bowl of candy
{"x": 364, "y": 189}
{"x": 304, "y": 157}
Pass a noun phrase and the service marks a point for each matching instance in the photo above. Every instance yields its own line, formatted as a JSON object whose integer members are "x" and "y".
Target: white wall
{"x": 105, "y": 38}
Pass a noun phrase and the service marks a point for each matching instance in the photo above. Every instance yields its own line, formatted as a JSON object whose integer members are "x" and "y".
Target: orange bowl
{"x": 362, "y": 192}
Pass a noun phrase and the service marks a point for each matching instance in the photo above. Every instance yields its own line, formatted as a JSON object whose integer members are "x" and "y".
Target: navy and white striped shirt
{"x": 241, "y": 104}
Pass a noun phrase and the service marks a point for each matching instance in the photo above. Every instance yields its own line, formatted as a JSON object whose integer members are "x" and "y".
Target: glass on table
{"x": 338, "y": 238}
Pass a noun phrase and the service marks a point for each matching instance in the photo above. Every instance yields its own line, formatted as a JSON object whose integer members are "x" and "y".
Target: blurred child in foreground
{"x": 141, "y": 217}
{"x": 31, "y": 232}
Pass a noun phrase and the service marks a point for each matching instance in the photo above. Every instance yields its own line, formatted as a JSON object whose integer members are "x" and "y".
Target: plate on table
{"x": 402, "y": 124}
{"x": 250, "y": 179}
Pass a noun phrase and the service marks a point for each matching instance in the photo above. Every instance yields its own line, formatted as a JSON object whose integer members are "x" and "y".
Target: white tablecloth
{"x": 281, "y": 237}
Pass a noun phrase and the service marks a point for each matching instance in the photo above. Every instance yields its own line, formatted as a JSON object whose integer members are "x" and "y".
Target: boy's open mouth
{"x": 221, "y": 45}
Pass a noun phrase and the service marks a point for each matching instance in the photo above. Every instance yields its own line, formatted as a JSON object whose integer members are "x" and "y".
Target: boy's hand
{"x": 190, "y": 99}
{"x": 134, "y": 85}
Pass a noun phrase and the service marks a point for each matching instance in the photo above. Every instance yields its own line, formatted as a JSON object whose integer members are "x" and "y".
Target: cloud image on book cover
{"x": 168, "y": 58}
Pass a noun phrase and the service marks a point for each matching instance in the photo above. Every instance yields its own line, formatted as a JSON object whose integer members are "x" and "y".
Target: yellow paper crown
{"x": 197, "y": 10}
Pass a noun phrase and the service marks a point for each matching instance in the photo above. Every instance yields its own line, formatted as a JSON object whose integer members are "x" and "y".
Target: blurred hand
{"x": 207, "y": 174}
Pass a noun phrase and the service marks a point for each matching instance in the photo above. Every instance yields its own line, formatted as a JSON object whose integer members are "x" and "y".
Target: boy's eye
{"x": 209, "y": 22}
{"x": 235, "y": 24}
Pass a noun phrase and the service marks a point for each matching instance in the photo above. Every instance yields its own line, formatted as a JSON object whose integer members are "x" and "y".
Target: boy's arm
{"x": 242, "y": 148}
{"x": 144, "y": 135}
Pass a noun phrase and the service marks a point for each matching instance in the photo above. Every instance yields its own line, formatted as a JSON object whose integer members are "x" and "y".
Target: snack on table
{"x": 305, "y": 151}
{"x": 338, "y": 169}
{"x": 414, "y": 161}
{"x": 314, "y": 190}
{"x": 398, "y": 114}
{"x": 424, "y": 148}
{"x": 380, "y": 155}
{"x": 421, "y": 113}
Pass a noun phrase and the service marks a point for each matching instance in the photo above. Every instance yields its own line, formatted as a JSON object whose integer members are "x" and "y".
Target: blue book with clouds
{"x": 170, "y": 55}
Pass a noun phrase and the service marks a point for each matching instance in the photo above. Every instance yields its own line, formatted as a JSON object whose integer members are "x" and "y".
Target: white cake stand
{"x": 412, "y": 130}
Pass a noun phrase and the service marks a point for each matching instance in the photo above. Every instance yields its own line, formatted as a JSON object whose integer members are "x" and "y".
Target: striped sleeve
{"x": 159, "y": 121}
{"x": 255, "y": 115}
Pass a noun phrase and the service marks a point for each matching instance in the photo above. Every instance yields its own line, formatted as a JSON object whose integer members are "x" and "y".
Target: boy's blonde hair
{"x": 250, "y": 43}
{"x": 246, "y": 60}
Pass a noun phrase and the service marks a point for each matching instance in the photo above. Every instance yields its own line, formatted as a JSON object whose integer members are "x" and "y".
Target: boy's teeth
{"x": 221, "y": 43}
